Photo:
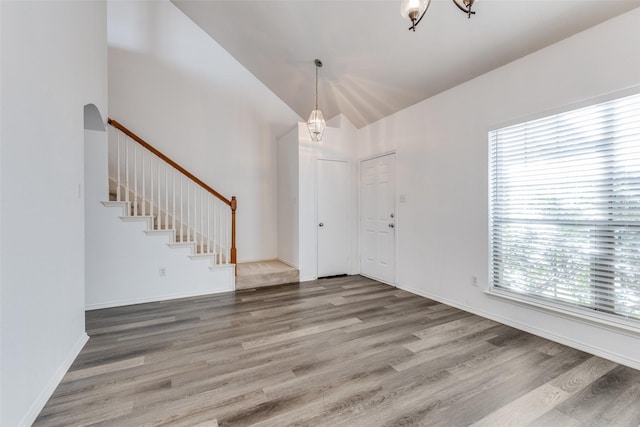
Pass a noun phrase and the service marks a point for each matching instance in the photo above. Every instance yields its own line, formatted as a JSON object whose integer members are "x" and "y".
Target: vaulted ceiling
{"x": 374, "y": 66}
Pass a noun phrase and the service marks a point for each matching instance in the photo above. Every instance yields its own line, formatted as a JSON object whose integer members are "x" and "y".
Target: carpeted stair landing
{"x": 265, "y": 273}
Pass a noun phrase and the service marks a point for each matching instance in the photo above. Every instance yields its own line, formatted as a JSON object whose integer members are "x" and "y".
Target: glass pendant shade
{"x": 412, "y": 10}
{"x": 316, "y": 125}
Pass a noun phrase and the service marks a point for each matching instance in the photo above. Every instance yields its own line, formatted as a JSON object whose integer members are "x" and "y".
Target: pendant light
{"x": 316, "y": 122}
{"x": 414, "y": 10}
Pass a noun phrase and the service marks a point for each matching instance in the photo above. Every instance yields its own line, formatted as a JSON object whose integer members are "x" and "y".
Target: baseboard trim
{"x": 42, "y": 399}
{"x": 614, "y": 357}
{"x": 381, "y": 281}
{"x": 134, "y": 301}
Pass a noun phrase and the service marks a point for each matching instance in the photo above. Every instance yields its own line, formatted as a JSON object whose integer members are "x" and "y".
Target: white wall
{"x": 175, "y": 87}
{"x": 288, "y": 242}
{"x": 53, "y": 63}
{"x": 442, "y": 168}
{"x": 297, "y": 181}
{"x": 337, "y": 144}
{"x": 1, "y": 245}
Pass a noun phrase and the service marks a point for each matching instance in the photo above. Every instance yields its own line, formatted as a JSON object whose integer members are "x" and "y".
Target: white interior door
{"x": 377, "y": 220}
{"x": 332, "y": 209}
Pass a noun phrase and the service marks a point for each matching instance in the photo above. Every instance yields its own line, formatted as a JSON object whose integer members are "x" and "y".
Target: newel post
{"x": 234, "y": 205}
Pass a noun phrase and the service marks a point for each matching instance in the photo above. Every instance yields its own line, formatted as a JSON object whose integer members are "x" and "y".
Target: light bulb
{"x": 413, "y": 9}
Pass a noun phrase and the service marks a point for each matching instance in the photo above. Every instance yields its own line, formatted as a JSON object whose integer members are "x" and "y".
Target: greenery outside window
{"x": 565, "y": 208}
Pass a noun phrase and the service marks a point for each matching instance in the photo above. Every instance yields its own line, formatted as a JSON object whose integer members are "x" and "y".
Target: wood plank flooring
{"x": 344, "y": 351}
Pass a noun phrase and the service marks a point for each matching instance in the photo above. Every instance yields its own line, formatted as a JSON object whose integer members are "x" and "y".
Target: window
{"x": 565, "y": 208}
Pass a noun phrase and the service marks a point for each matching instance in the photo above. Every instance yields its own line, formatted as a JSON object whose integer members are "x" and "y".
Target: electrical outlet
{"x": 474, "y": 281}
{"x": 162, "y": 271}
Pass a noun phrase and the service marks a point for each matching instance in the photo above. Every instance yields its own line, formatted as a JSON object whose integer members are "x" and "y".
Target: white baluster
{"x": 144, "y": 197}
{"x": 208, "y": 224}
{"x": 159, "y": 216}
{"x": 201, "y": 223}
{"x": 216, "y": 220}
{"x": 166, "y": 197}
{"x": 201, "y": 220}
{"x": 118, "y": 198}
{"x": 216, "y": 231}
{"x": 181, "y": 208}
{"x": 151, "y": 175}
{"x": 188, "y": 211}
{"x": 221, "y": 237}
{"x": 219, "y": 231}
{"x": 194, "y": 226}
{"x": 173, "y": 184}
{"x": 213, "y": 229}
{"x": 224, "y": 234}
{"x": 195, "y": 215}
{"x": 135, "y": 181}
{"x": 126, "y": 178}
{"x": 223, "y": 254}
{"x": 221, "y": 220}
{"x": 196, "y": 219}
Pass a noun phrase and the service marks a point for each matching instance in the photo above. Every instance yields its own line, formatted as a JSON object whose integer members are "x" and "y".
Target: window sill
{"x": 620, "y": 325}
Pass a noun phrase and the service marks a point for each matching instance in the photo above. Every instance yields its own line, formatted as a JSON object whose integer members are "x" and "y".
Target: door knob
{"x": 391, "y": 225}
{"x": 321, "y": 224}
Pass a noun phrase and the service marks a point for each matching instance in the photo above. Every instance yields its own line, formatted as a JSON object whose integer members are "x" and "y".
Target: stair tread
{"x": 265, "y": 273}
{"x": 263, "y": 267}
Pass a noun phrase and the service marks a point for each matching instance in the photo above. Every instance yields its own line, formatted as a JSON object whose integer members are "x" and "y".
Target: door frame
{"x": 348, "y": 213}
{"x": 395, "y": 207}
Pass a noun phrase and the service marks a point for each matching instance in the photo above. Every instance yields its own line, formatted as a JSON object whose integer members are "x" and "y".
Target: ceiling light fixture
{"x": 414, "y": 10}
{"x": 316, "y": 122}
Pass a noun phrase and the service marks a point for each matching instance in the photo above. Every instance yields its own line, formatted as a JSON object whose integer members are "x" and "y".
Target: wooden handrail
{"x": 182, "y": 170}
{"x": 233, "y": 204}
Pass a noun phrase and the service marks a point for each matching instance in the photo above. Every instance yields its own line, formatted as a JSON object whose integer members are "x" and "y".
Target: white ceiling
{"x": 374, "y": 66}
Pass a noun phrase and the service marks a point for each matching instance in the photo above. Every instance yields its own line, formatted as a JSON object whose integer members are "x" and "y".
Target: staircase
{"x": 152, "y": 188}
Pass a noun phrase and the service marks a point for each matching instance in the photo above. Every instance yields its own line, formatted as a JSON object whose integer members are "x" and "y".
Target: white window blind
{"x": 565, "y": 208}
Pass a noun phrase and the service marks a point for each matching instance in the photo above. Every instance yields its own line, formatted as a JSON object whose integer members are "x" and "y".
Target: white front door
{"x": 332, "y": 211}
{"x": 377, "y": 219}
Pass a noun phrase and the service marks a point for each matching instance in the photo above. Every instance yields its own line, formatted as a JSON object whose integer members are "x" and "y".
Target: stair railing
{"x": 157, "y": 187}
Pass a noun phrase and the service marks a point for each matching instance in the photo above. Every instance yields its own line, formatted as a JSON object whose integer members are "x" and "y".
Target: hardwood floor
{"x": 335, "y": 352}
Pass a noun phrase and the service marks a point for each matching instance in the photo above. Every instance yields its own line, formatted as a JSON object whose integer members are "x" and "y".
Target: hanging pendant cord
{"x": 316, "y": 87}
